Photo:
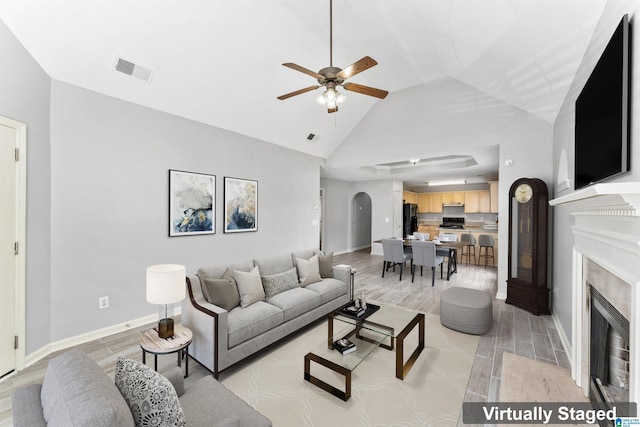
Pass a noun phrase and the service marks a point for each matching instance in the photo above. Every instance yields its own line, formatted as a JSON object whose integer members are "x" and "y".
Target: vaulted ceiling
{"x": 219, "y": 61}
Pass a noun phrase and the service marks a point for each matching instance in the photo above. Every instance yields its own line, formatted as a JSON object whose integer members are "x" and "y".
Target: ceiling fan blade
{"x": 366, "y": 90}
{"x": 357, "y": 67}
{"x": 303, "y": 70}
{"x": 297, "y": 92}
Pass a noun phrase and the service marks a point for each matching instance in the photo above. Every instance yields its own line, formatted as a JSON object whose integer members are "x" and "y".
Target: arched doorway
{"x": 361, "y": 221}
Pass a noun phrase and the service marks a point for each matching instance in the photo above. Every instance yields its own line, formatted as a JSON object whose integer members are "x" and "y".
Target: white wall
{"x": 563, "y": 138}
{"x": 24, "y": 96}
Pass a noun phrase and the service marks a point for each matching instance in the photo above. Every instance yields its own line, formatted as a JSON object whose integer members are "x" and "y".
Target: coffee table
{"x": 325, "y": 355}
{"x": 387, "y": 323}
{"x": 394, "y": 322}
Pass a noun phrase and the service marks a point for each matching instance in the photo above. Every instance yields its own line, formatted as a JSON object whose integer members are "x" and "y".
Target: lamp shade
{"x": 165, "y": 283}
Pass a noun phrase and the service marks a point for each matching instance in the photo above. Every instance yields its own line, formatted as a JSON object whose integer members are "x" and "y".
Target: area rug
{"x": 431, "y": 394}
{"x": 527, "y": 380}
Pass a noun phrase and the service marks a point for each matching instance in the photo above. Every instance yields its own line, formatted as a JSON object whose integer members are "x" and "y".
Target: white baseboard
{"x": 93, "y": 335}
{"x": 566, "y": 343}
{"x": 501, "y": 295}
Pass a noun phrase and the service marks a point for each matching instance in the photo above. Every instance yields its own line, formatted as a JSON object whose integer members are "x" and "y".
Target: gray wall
{"x": 24, "y": 96}
{"x": 109, "y": 180}
{"x": 564, "y": 140}
{"x": 361, "y": 220}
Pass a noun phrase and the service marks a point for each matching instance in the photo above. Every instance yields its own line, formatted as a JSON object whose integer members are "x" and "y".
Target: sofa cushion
{"x": 222, "y": 292}
{"x": 295, "y": 302}
{"x": 328, "y": 289}
{"x": 251, "y": 321}
{"x": 308, "y": 270}
{"x": 150, "y": 396}
{"x": 274, "y": 265}
{"x": 325, "y": 260}
{"x": 77, "y": 392}
{"x": 280, "y": 282}
{"x": 249, "y": 286}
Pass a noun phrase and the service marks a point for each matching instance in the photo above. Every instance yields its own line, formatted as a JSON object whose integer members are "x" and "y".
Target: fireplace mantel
{"x": 606, "y": 230}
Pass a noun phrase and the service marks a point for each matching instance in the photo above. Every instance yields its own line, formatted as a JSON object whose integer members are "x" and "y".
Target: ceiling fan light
{"x": 331, "y": 94}
{"x": 341, "y": 98}
{"x": 321, "y": 100}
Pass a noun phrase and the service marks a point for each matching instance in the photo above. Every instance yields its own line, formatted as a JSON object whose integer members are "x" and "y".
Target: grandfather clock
{"x": 528, "y": 239}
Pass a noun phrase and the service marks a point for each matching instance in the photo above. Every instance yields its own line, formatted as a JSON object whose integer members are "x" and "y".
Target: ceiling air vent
{"x": 134, "y": 70}
{"x": 313, "y": 137}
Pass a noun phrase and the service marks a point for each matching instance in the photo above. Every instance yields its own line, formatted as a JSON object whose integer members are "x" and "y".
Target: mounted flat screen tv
{"x": 602, "y": 139}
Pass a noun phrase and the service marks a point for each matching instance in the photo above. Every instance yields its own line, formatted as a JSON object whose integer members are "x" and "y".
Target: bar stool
{"x": 470, "y": 239}
{"x": 486, "y": 241}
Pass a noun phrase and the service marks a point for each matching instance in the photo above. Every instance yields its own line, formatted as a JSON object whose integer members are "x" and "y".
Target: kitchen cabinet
{"x": 423, "y": 202}
{"x": 435, "y": 203}
{"x": 410, "y": 197}
{"x": 455, "y": 197}
{"x": 431, "y": 229}
{"x": 477, "y": 201}
{"x": 494, "y": 195}
{"x": 476, "y": 233}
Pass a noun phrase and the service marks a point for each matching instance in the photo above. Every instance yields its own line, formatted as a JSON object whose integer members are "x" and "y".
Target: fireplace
{"x": 605, "y": 341}
{"x": 609, "y": 352}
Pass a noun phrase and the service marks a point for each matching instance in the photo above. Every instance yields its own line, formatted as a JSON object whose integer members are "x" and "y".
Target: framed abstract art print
{"x": 240, "y": 205}
{"x": 191, "y": 203}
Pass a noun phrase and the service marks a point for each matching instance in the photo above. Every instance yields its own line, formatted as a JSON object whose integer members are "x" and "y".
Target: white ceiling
{"x": 219, "y": 61}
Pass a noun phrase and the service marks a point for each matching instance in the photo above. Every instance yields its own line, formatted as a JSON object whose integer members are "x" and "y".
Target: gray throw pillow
{"x": 326, "y": 264}
{"x": 151, "y": 397}
{"x": 277, "y": 283}
{"x": 222, "y": 292}
{"x": 308, "y": 270}
{"x": 249, "y": 286}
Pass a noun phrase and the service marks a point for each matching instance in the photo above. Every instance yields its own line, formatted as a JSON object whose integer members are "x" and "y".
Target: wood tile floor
{"x": 513, "y": 331}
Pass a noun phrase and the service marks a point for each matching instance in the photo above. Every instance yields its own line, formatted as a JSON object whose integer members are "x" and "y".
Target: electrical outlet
{"x": 103, "y": 302}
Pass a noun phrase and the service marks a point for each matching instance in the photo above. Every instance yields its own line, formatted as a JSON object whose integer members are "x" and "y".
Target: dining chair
{"x": 486, "y": 241}
{"x": 394, "y": 253}
{"x": 470, "y": 239}
{"x": 424, "y": 255}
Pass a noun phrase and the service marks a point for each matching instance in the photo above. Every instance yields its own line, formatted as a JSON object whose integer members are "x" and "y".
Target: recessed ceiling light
{"x": 414, "y": 161}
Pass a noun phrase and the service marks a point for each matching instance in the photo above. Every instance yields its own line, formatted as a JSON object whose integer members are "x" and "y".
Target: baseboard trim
{"x": 501, "y": 295}
{"x": 566, "y": 343}
{"x": 90, "y": 336}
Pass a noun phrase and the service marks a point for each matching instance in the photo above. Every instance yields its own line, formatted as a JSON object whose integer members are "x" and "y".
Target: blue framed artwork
{"x": 240, "y": 205}
{"x": 191, "y": 203}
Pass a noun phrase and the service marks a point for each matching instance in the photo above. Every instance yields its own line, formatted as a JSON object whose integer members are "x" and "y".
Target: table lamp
{"x": 165, "y": 286}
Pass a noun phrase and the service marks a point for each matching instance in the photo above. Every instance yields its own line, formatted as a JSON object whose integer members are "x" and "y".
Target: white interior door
{"x": 7, "y": 249}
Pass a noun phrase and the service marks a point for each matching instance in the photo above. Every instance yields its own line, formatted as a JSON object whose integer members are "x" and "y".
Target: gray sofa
{"x": 77, "y": 392}
{"x": 225, "y": 336}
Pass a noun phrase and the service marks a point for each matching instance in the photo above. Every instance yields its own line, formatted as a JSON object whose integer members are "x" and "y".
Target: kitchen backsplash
{"x": 468, "y": 217}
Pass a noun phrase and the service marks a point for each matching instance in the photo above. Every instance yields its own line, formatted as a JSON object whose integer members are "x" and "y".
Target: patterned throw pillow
{"x": 151, "y": 397}
{"x": 280, "y": 282}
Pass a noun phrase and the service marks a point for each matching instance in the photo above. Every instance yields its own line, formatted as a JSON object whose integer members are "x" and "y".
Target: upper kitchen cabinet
{"x": 435, "y": 202}
{"x": 423, "y": 202}
{"x": 477, "y": 201}
{"x": 410, "y": 197}
{"x": 493, "y": 190}
{"x": 453, "y": 198}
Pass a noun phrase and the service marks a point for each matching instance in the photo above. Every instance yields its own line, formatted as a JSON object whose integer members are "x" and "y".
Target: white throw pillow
{"x": 308, "y": 270}
{"x": 249, "y": 286}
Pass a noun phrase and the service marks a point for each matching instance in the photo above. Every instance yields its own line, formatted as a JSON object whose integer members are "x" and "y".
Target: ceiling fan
{"x": 332, "y": 77}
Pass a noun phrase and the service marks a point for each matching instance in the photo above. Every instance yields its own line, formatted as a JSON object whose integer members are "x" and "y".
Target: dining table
{"x": 447, "y": 248}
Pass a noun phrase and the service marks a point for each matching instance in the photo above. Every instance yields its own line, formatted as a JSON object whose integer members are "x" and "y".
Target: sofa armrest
{"x": 26, "y": 407}
{"x": 209, "y": 325}
{"x": 342, "y": 273}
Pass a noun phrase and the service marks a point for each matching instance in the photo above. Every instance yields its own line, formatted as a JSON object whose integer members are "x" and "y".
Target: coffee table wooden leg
{"x": 344, "y": 395}
{"x": 402, "y": 369}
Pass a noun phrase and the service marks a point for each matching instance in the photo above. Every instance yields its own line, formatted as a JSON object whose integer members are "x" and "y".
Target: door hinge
{"x": 15, "y": 248}
{"x": 17, "y": 154}
{"x": 15, "y": 342}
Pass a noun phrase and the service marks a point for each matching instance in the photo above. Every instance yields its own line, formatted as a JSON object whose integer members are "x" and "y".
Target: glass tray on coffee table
{"x": 325, "y": 355}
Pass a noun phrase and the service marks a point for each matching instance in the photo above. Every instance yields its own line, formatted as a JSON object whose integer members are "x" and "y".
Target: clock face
{"x": 523, "y": 193}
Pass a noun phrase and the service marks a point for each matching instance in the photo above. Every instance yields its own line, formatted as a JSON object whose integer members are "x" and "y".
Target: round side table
{"x": 150, "y": 342}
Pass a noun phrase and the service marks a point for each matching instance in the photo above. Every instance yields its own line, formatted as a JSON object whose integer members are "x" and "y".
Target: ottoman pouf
{"x": 466, "y": 310}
